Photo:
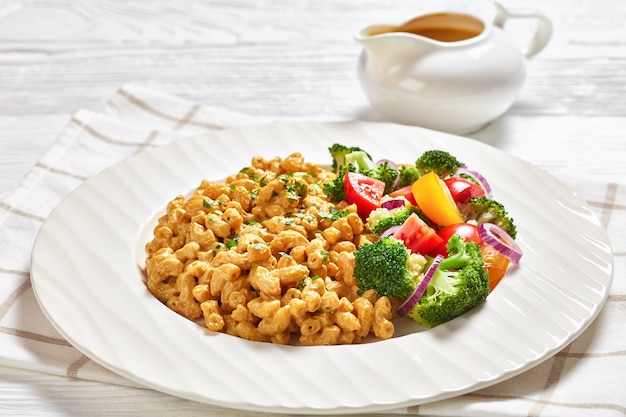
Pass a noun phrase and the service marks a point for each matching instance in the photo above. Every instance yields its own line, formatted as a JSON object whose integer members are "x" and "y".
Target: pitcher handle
{"x": 543, "y": 31}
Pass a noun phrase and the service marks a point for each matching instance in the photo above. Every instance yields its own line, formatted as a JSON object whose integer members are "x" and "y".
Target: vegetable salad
{"x": 443, "y": 243}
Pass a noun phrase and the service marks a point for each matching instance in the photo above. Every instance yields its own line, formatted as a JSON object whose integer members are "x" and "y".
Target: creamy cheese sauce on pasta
{"x": 266, "y": 256}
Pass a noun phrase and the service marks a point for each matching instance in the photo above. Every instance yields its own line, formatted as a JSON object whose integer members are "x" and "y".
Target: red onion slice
{"x": 410, "y": 302}
{"x": 389, "y": 161}
{"x": 393, "y": 203}
{"x": 388, "y": 232}
{"x": 394, "y": 166}
{"x": 482, "y": 181}
{"x": 494, "y": 235}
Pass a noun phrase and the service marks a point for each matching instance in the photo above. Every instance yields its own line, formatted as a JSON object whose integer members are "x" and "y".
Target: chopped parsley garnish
{"x": 325, "y": 257}
{"x": 231, "y": 242}
{"x": 306, "y": 281}
{"x": 334, "y": 214}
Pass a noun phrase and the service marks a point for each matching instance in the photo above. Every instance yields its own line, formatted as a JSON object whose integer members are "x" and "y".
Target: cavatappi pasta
{"x": 265, "y": 256}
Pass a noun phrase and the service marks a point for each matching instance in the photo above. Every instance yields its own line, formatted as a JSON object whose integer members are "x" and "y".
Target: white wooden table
{"x": 284, "y": 59}
{"x": 287, "y": 60}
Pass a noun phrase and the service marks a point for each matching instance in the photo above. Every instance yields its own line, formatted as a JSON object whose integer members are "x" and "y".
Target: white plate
{"x": 86, "y": 277}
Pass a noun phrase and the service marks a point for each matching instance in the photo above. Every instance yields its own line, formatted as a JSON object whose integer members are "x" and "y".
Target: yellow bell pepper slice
{"x": 433, "y": 197}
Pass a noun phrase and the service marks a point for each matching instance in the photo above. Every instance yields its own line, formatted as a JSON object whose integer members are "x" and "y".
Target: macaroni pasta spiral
{"x": 266, "y": 256}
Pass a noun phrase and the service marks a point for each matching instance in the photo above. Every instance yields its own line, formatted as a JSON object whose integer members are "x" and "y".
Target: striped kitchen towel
{"x": 585, "y": 377}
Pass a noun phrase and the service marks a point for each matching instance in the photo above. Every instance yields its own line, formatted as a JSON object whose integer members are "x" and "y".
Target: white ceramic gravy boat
{"x": 447, "y": 71}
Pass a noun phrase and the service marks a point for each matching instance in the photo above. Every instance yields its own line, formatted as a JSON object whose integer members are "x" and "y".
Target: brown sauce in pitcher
{"x": 444, "y": 27}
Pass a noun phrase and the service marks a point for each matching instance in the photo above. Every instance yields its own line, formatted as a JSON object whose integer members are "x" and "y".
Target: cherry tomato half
{"x": 463, "y": 189}
{"x": 466, "y": 231}
{"x": 417, "y": 236}
{"x": 363, "y": 191}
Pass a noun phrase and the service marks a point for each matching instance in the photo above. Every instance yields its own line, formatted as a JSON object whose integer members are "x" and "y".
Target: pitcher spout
{"x": 440, "y": 27}
{"x": 447, "y": 71}
{"x": 419, "y": 36}
{"x": 391, "y": 47}
{"x": 389, "y": 50}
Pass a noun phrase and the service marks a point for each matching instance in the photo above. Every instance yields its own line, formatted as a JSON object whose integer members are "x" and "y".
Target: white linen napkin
{"x": 584, "y": 376}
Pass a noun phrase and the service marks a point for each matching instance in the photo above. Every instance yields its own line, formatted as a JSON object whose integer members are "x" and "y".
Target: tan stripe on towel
{"x": 558, "y": 364}
{"x": 583, "y": 406}
{"x": 12, "y": 299}
{"x": 60, "y": 171}
{"x": 99, "y": 135}
{"x": 583, "y": 355}
{"x": 34, "y": 336}
{"x": 148, "y": 108}
{"x": 72, "y": 370}
{"x": 22, "y": 213}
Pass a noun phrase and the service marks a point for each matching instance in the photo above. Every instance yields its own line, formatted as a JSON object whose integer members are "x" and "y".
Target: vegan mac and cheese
{"x": 265, "y": 256}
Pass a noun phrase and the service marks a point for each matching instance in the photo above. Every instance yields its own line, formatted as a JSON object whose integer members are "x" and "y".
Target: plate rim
{"x": 43, "y": 295}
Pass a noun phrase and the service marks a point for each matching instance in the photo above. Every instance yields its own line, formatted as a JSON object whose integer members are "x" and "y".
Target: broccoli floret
{"x": 386, "y": 173}
{"x": 459, "y": 284}
{"x": 408, "y": 175}
{"x": 339, "y": 152}
{"x": 335, "y": 189}
{"x": 362, "y": 163}
{"x": 485, "y": 210}
{"x": 355, "y": 159}
{"x": 387, "y": 267}
{"x": 382, "y": 219}
{"x": 361, "y": 160}
{"x": 441, "y": 162}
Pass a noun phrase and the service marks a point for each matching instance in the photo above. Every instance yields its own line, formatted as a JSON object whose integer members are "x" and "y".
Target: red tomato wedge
{"x": 463, "y": 189}
{"x": 364, "y": 192}
{"x": 417, "y": 236}
{"x": 466, "y": 231}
